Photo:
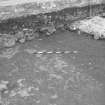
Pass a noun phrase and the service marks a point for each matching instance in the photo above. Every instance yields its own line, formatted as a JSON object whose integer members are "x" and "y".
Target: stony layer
{"x": 27, "y": 28}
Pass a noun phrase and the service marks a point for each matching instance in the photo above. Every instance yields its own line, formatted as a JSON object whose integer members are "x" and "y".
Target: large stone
{"x": 94, "y": 26}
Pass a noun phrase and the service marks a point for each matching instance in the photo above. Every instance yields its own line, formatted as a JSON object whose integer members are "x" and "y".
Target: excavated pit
{"x": 60, "y": 68}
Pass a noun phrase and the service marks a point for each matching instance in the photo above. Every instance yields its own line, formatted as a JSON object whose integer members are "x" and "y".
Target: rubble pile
{"x": 94, "y": 26}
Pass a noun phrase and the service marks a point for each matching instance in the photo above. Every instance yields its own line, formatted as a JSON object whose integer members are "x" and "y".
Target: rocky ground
{"x": 60, "y": 68}
{"x": 22, "y": 29}
{"x": 18, "y": 8}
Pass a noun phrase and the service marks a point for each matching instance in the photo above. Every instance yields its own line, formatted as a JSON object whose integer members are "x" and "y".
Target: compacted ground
{"x": 70, "y": 71}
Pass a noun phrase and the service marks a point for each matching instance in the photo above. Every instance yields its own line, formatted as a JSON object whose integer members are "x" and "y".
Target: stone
{"x": 48, "y": 30}
{"x": 94, "y": 26}
{"x": 28, "y": 33}
{"x": 8, "y": 40}
{"x": 20, "y": 37}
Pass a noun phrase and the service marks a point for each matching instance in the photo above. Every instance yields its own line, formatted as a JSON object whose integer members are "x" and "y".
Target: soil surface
{"x": 58, "y": 68}
{"x": 70, "y": 71}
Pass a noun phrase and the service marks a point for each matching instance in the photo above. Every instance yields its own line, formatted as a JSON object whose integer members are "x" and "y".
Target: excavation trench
{"x": 58, "y": 68}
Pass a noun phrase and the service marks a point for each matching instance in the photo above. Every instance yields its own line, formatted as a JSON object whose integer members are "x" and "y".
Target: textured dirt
{"x": 64, "y": 68}
{"x": 76, "y": 78}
